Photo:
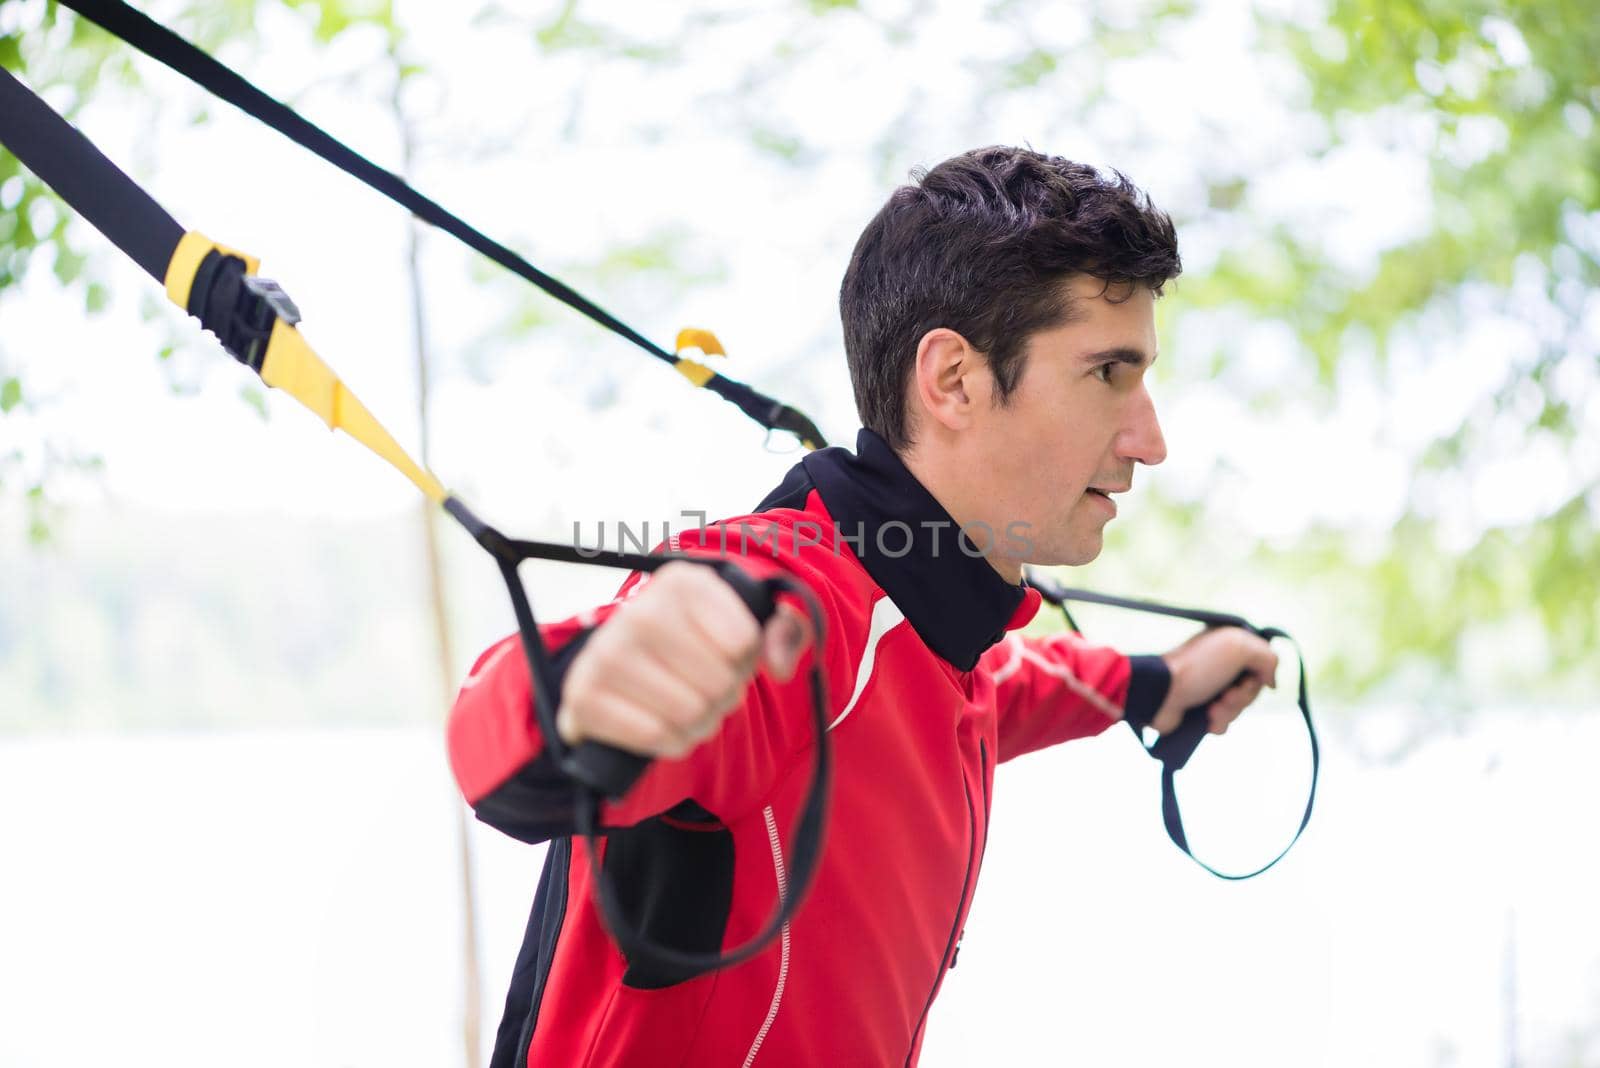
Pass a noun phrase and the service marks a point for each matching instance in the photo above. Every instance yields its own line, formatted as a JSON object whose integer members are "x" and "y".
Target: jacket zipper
{"x": 966, "y": 884}
{"x": 983, "y": 768}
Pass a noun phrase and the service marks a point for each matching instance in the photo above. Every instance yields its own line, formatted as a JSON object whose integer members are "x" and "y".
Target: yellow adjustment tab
{"x": 291, "y": 365}
{"x": 698, "y": 373}
{"x": 186, "y": 260}
{"x": 704, "y": 340}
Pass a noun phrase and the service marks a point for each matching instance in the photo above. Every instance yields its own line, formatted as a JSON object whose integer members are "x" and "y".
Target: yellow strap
{"x": 185, "y": 261}
{"x": 291, "y": 366}
{"x": 698, "y": 373}
{"x": 704, "y": 340}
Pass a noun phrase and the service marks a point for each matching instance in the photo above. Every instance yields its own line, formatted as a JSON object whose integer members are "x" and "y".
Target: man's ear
{"x": 945, "y": 380}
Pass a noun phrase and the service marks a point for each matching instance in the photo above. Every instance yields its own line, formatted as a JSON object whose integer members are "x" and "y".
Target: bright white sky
{"x": 1368, "y": 954}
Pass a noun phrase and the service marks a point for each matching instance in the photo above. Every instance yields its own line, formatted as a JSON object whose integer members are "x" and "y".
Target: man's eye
{"x": 1103, "y": 372}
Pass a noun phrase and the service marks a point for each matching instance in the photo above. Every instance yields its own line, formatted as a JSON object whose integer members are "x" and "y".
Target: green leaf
{"x": 1030, "y": 70}
{"x": 10, "y": 394}
{"x": 255, "y": 398}
{"x": 785, "y": 146}
{"x": 69, "y": 265}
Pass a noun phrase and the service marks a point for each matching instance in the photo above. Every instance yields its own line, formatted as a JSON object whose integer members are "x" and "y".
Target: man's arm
{"x": 669, "y": 670}
{"x": 1060, "y": 687}
{"x": 1053, "y": 689}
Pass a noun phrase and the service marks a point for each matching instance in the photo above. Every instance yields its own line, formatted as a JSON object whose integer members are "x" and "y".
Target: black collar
{"x": 956, "y": 602}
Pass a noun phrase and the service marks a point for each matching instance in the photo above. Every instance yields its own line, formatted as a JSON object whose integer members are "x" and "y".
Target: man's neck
{"x": 944, "y": 483}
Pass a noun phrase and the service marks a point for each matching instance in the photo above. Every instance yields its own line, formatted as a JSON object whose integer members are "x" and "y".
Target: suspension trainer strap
{"x": 255, "y": 322}
{"x": 164, "y": 46}
{"x": 601, "y": 770}
{"x": 1174, "y": 749}
{"x": 51, "y": 148}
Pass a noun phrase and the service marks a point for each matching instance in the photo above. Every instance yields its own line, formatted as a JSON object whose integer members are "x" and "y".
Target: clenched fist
{"x": 1205, "y": 666}
{"x": 658, "y": 677}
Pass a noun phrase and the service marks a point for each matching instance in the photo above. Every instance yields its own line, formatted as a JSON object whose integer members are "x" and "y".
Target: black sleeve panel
{"x": 1149, "y": 680}
{"x": 535, "y": 804}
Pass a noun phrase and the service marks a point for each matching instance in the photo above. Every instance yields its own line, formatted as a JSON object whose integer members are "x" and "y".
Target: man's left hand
{"x": 1205, "y": 666}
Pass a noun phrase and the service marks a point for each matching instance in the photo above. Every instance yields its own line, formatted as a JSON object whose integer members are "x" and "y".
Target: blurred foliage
{"x": 33, "y": 229}
{"x": 151, "y": 623}
{"x": 1501, "y": 99}
{"x": 1498, "y": 100}
{"x": 68, "y": 60}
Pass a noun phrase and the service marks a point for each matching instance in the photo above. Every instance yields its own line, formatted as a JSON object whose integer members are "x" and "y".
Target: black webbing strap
{"x": 1175, "y": 748}
{"x": 94, "y": 186}
{"x": 239, "y": 310}
{"x": 601, "y": 770}
{"x": 772, "y": 414}
{"x": 161, "y": 44}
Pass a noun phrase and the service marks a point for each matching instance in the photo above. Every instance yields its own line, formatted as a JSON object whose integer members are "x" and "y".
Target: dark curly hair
{"x": 980, "y": 244}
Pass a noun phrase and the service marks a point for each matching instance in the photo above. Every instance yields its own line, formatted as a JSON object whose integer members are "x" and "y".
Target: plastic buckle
{"x": 276, "y": 298}
{"x": 262, "y": 302}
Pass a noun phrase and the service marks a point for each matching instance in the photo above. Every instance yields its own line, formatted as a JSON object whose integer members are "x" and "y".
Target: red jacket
{"x": 930, "y": 688}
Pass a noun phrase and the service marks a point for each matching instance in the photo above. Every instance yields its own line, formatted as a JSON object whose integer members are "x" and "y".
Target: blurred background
{"x": 228, "y": 640}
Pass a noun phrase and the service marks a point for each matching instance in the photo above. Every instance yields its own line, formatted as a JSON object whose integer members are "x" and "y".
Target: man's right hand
{"x": 1203, "y": 672}
{"x": 658, "y": 677}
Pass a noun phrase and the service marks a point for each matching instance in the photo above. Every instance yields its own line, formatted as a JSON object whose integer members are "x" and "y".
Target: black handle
{"x": 611, "y": 771}
{"x": 1173, "y": 750}
{"x": 1176, "y": 747}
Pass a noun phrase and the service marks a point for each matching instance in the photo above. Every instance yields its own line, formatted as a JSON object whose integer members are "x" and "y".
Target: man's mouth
{"x": 1108, "y": 490}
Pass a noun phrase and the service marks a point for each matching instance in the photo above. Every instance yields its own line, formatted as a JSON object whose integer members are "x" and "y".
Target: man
{"x": 998, "y": 322}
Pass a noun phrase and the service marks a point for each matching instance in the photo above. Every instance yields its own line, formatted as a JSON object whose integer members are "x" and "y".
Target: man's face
{"x": 1078, "y": 421}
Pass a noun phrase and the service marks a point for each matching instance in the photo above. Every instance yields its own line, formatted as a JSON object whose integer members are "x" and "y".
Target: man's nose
{"x": 1141, "y": 438}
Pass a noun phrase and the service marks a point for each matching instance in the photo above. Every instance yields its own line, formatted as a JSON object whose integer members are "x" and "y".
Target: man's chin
{"x": 1077, "y": 555}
